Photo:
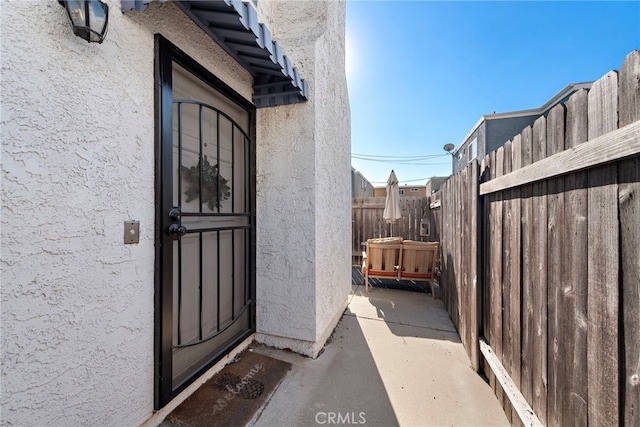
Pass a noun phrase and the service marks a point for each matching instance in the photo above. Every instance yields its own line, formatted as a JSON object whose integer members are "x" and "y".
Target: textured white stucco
{"x": 304, "y": 219}
{"x": 77, "y": 130}
{"x": 333, "y": 174}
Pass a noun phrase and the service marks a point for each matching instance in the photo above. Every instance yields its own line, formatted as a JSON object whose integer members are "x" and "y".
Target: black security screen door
{"x": 206, "y": 223}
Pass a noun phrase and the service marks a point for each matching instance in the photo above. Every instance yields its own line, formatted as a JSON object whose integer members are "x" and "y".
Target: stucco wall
{"x": 333, "y": 152}
{"x": 304, "y": 217}
{"x": 77, "y": 130}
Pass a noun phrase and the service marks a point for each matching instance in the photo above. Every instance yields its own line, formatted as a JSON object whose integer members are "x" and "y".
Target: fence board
{"x": 526, "y": 205}
{"x": 574, "y": 334}
{"x": 485, "y": 175}
{"x": 447, "y": 268}
{"x": 506, "y": 263}
{"x": 452, "y": 233}
{"x": 447, "y": 294}
{"x": 629, "y": 199}
{"x": 451, "y": 281}
{"x": 515, "y": 279}
{"x": 602, "y": 290}
{"x": 446, "y": 238}
{"x": 457, "y": 250}
{"x": 475, "y": 285}
{"x": 629, "y": 84}
{"x": 539, "y": 261}
{"x": 496, "y": 267}
{"x": 495, "y": 294}
{"x": 462, "y": 259}
{"x": 555, "y": 251}
{"x": 506, "y": 260}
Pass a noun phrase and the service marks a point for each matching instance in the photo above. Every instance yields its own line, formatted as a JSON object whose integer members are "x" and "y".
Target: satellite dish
{"x": 449, "y": 148}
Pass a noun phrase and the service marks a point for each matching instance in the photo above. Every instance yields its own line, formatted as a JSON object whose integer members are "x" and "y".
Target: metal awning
{"x": 234, "y": 25}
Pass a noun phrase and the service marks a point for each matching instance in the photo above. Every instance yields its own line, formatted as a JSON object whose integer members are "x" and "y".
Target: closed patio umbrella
{"x": 392, "y": 205}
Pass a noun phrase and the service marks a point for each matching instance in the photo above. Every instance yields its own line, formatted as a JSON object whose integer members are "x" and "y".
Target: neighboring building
{"x": 413, "y": 190}
{"x": 360, "y": 186}
{"x": 434, "y": 184}
{"x": 168, "y": 197}
{"x": 494, "y": 130}
{"x": 405, "y": 190}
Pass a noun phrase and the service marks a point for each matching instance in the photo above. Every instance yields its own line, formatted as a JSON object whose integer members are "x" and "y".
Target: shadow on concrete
{"x": 421, "y": 360}
{"x": 406, "y": 313}
{"x": 341, "y": 387}
{"x": 394, "y": 359}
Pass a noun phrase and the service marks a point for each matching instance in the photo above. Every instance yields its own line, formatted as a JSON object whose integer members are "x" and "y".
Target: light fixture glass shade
{"x": 89, "y": 18}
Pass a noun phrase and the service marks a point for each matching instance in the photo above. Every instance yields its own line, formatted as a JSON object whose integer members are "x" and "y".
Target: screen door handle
{"x": 176, "y": 231}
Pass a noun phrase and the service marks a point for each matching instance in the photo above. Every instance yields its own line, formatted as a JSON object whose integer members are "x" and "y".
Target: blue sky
{"x": 422, "y": 73}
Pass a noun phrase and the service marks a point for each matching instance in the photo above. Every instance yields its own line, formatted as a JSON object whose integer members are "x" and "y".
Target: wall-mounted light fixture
{"x": 89, "y": 18}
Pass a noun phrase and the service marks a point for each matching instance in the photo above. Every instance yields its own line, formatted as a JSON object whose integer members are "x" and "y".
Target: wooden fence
{"x": 541, "y": 260}
{"x": 368, "y": 223}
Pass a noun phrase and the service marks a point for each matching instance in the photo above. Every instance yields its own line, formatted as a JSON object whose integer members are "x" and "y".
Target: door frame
{"x": 165, "y": 55}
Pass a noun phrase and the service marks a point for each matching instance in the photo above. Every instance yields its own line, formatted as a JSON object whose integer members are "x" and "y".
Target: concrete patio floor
{"x": 394, "y": 359}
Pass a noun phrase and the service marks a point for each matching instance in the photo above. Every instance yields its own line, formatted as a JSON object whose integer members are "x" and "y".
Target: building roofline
{"x": 555, "y": 99}
{"x": 566, "y": 91}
